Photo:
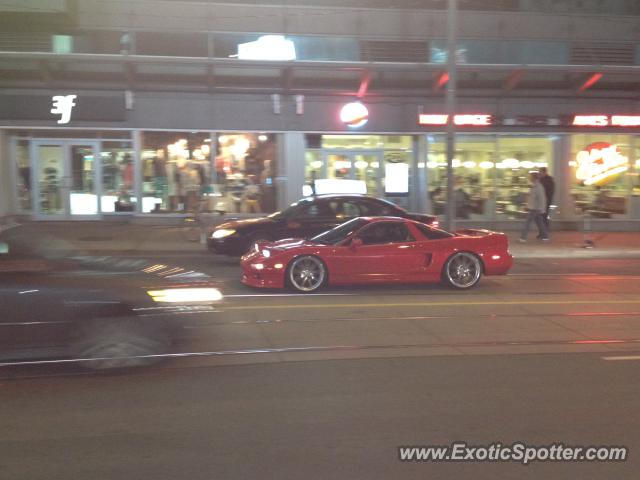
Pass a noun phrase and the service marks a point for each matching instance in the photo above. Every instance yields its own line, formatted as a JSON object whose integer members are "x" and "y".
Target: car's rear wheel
{"x": 113, "y": 343}
{"x": 462, "y": 270}
{"x": 306, "y": 274}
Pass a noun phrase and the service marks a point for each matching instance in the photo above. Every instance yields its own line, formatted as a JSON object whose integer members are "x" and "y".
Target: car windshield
{"x": 287, "y": 212}
{"x": 340, "y": 233}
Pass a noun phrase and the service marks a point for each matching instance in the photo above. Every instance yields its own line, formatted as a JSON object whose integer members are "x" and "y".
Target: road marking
{"x": 433, "y": 304}
{"x": 324, "y": 348}
{"x": 249, "y": 295}
{"x": 587, "y": 276}
{"x": 622, "y": 358}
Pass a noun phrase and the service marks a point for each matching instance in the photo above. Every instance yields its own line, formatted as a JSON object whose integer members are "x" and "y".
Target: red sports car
{"x": 375, "y": 251}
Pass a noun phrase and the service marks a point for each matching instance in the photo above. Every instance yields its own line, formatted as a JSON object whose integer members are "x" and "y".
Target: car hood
{"x": 237, "y": 224}
{"x": 288, "y": 244}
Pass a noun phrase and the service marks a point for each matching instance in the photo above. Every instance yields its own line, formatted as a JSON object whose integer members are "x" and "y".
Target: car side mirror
{"x": 355, "y": 243}
{"x": 4, "y": 248}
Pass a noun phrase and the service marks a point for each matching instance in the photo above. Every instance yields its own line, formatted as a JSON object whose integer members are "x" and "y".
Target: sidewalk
{"x": 104, "y": 237}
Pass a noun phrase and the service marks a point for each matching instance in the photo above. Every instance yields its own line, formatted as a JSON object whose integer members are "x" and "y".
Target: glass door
{"x": 65, "y": 174}
{"x": 50, "y": 180}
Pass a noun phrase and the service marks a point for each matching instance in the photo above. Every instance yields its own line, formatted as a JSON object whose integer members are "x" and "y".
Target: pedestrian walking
{"x": 549, "y": 186}
{"x": 536, "y": 203}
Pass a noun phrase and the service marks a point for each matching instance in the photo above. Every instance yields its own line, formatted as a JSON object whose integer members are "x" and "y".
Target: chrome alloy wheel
{"x": 307, "y": 273}
{"x": 463, "y": 270}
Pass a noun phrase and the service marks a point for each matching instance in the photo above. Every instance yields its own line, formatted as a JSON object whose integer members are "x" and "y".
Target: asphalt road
{"x": 329, "y": 385}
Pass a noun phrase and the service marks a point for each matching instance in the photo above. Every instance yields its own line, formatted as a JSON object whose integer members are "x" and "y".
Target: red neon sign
{"x": 600, "y": 161}
{"x": 625, "y": 120}
{"x": 606, "y": 121}
{"x": 475, "y": 120}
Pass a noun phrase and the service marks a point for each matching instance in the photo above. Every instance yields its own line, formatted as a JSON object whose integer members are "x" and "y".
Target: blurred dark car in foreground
{"x": 304, "y": 219}
{"x": 108, "y": 312}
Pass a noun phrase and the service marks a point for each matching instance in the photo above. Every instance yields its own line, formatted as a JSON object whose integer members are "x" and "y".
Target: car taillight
{"x": 436, "y": 223}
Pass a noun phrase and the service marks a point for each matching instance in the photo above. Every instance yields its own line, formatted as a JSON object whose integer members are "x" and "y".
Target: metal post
{"x": 452, "y": 35}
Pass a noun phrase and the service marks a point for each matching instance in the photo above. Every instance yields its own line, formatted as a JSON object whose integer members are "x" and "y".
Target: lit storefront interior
{"x": 490, "y": 172}
{"x": 378, "y": 165}
{"x": 606, "y": 171}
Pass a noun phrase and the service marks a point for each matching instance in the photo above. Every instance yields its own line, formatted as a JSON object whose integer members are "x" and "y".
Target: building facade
{"x": 116, "y": 109}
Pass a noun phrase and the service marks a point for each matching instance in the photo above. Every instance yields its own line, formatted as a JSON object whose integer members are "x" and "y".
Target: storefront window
{"x": 601, "y": 174}
{"x": 23, "y": 170}
{"x": 176, "y": 171}
{"x": 473, "y": 169}
{"x": 312, "y": 166}
{"x": 118, "y": 193}
{"x": 519, "y": 155}
{"x": 245, "y": 167}
{"x": 378, "y": 165}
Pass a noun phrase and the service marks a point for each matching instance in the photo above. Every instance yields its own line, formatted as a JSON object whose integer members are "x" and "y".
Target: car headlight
{"x": 222, "y": 233}
{"x": 185, "y": 295}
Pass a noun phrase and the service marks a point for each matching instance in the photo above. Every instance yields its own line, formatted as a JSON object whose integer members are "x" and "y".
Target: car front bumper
{"x": 261, "y": 272}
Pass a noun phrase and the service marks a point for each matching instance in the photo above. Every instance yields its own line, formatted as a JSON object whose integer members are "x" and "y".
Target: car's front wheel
{"x": 462, "y": 270}
{"x": 306, "y": 274}
{"x": 114, "y": 343}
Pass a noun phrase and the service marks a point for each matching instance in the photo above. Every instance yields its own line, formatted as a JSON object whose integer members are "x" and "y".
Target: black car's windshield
{"x": 287, "y": 212}
{"x": 340, "y": 233}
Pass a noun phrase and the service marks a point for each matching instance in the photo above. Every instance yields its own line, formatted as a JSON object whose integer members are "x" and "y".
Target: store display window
{"x": 245, "y": 167}
{"x": 118, "y": 192}
{"x": 176, "y": 172}
{"x": 601, "y": 175}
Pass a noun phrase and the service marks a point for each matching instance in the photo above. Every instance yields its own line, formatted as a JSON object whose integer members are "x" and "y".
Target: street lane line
{"x": 325, "y": 348}
{"x": 622, "y": 358}
{"x": 433, "y": 304}
{"x": 249, "y": 295}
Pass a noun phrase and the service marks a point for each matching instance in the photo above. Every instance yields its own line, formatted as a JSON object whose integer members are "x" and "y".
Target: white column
{"x": 562, "y": 175}
{"x": 290, "y": 169}
{"x": 6, "y": 177}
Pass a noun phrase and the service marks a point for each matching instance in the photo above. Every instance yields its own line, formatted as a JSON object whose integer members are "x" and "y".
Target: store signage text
{"x": 599, "y": 162}
{"x": 354, "y": 114}
{"x": 606, "y": 121}
{"x": 461, "y": 120}
{"x": 62, "y": 105}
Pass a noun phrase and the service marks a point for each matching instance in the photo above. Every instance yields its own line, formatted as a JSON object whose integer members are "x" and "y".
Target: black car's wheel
{"x": 462, "y": 270}
{"x": 113, "y": 343}
{"x": 306, "y": 274}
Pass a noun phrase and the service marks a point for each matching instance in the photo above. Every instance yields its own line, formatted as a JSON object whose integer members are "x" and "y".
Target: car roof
{"x": 343, "y": 195}
{"x": 387, "y": 219}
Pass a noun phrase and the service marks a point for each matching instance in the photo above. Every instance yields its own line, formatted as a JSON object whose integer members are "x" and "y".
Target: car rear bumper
{"x": 497, "y": 263}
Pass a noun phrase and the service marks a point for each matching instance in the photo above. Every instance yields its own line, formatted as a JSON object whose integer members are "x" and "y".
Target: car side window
{"x": 380, "y": 233}
{"x": 432, "y": 233}
{"x": 313, "y": 211}
{"x": 351, "y": 209}
{"x": 376, "y": 209}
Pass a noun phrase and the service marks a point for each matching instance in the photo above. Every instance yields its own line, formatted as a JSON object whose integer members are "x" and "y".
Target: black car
{"x": 304, "y": 219}
{"x": 102, "y": 312}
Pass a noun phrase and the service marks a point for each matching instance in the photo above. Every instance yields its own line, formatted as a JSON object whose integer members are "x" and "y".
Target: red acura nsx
{"x": 376, "y": 251}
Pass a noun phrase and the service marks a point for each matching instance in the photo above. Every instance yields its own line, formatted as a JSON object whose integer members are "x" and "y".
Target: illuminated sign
{"x": 354, "y": 115}
{"x": 62, "y": 105}
{"x": 268, "y": 47}
{"x": 600, "y": 162}
{"x": 476, "y": 120}
{"x": 606, "y": 121}
{"x": 335, "y": 185}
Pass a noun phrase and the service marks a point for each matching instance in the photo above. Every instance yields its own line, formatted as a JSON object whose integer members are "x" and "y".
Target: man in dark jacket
{"x": 549, "y": 189}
